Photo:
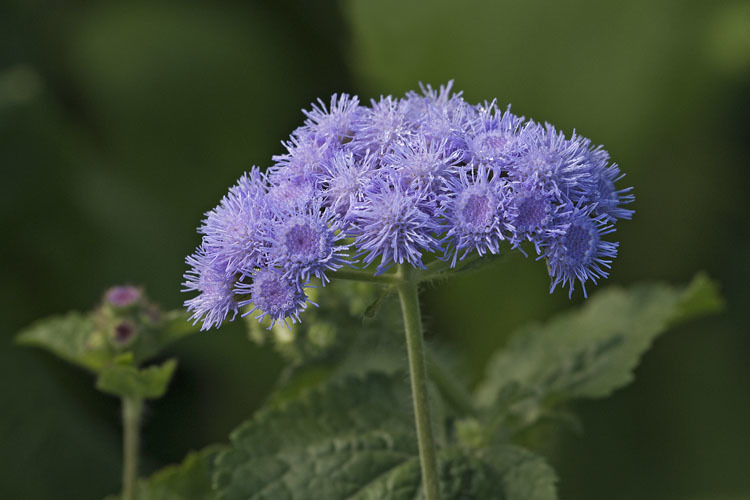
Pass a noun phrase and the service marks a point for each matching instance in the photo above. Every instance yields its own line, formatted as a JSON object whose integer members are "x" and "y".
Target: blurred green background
{"x": 122, "y": 122}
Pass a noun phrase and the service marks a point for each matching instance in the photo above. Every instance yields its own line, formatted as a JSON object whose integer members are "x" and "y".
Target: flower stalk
{"x": 131, "y": 416}
{"x": 409, "y": 297}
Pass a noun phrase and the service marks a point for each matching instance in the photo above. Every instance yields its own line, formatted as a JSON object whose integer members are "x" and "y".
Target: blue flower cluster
{"x": 394, "y": 182}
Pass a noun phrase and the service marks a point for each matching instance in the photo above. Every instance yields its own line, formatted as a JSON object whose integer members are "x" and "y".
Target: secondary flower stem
{"x": 407, "y": 291}
{"x": 131, "y": 416}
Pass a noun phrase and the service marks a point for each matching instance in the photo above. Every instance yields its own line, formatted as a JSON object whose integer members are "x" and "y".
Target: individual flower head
{"x": 419, "y": 163}
{"x": 560, "y": 163}
{"x": 306, "y": 243}
{"x": 380, "y": 126}
{"x": 495, "y": 136}
{"x": 475, "y": 212}
{"x": 215, "y": 300}
{"x": 608, "y": 199}
{"x": 395, "y": 224}
{"x": 291, "y": 191}
{"x": 441, "y": 117}
{"x": 579, "y": 252}
{"x": 416, "y": 105}
{"x": 231, "y": 231}
{"x": 344, "y": 180}
{"x": 305, "y": 155}
{"x": 334, "y": 123}
{"x": 274, "y": 295}
{"x": 532, "y": 211}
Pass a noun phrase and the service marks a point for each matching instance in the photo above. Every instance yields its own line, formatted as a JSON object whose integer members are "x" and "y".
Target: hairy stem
{"x": 407, "y": 291}
{"x": 131, "y": 416}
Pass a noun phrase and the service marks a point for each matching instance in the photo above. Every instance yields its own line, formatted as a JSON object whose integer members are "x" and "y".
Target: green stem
{"x": 407, "y": 291}
{"x": 354, "y": 275}
{"x": 131, "y": 416}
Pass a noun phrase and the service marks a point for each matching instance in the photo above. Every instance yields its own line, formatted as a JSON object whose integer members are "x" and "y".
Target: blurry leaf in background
{"x": 131, "y": 382}
{"x": 586, "y": 353}
{"x": 189, "y": 480}
{"x": 69, "y": 337}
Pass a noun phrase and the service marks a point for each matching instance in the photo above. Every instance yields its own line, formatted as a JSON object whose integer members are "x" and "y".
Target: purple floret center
{"x": 302, "y": 240}
{"x": 477, "y": 210}
{"x": 273, "y": 294}
{"x": 580, "y": 243}
{"x": 531, "y": 212}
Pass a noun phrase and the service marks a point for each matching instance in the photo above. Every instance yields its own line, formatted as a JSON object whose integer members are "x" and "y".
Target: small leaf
{"x": 190, "y": 480}
{"x": 590, "y": 352}
{"x": 72, "y": 337}
{"x": 129, "y": 381}
{"x": 355, "y": 440}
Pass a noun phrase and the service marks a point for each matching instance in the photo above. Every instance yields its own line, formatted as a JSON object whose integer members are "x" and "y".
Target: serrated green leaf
{"x": 590, "y": 352}
{"x": 356, "y": 440}
{"x": 72, "y": 337}
{"x": 190, "y": 480}
{"x": 129, "y": 381}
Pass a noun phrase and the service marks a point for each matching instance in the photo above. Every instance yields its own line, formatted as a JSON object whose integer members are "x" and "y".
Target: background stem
{"x": 407, "y": 291}
{"x": 131, "y": 416}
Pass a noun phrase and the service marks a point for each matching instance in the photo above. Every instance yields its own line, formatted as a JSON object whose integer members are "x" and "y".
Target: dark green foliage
{"x": 190, "y": 480}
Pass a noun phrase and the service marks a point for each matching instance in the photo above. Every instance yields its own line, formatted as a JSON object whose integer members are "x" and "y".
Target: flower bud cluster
{"x": 399, "y": 181}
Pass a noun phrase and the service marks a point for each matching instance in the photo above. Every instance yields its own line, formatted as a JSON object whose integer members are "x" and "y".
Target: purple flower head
{"x": 532, "y": 213}
{"x": 344, "y": 180}
{"x": 291, "y": 192}
{"x": 579, "y": 253}
{"x": 334, "y": 124}
{"x": 609, "y": 200}
{"x": 305, "y": 156}
{"x": 395, "y": 224}
{"x": 441, "y": 117}
{"x": 215, "y": 299}
{"x": 419, "y": 163}
{"x": 274, "y": 295}
{"x": 380, "y": 126}
{"x": 475, "y": 212}
{"x": 558, "y": 162}
{"x": 307, "y": 243}
{"x": 123, "y": 296}
{"x": 495, "y": 137}
{"x": 232, "y": 230}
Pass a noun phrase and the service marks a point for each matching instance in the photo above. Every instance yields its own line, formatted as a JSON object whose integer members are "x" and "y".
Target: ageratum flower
{"x": 395, "y": 223}
{"x": 274, "y": 295}
{"x": 405, "y": 181}
{"x": 208, "y": 276}
{"x": 306, "y": 243}
{"x": 475, "y": 212}
{"x": 232, "y": 230}
{"x": 579, "y": 252}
